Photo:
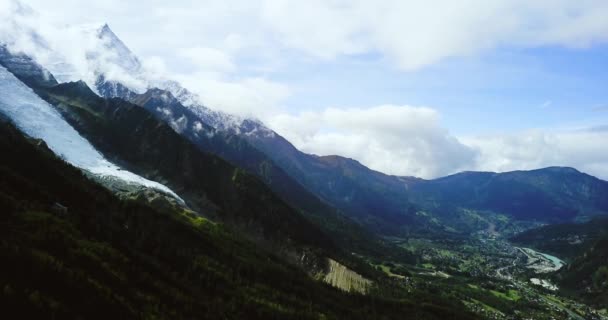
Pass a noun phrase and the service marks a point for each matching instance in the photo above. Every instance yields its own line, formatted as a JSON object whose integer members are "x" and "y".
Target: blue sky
{"x": 502, "y": 90}
{"x": 409, "y": 87}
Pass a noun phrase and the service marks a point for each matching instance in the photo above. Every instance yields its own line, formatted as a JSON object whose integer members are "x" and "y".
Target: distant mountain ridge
{"x": 553, "y": 194}
{"x": 385, "y": 204}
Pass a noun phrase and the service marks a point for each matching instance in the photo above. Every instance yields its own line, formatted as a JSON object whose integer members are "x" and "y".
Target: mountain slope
{"x": 381, "y": 202}
{"x": 27, "y": 70}
{"x": 381, "y": 205}
{"x": 132, "y": 136}
{"x": 587, "y": 274}
{"x": 585, "y": 248}
{"x": 71, "y": 250}
{"x": 239, "y": 152}
{"x": 90, "y": 115}
{"x": 219, "y": 133}
{"x": 565, "y": 240}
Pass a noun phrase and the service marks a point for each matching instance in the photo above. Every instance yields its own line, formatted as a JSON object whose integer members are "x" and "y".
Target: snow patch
{"x": 38, "y": 119}
{"x": 166, "y": 111}
{"x": 544, "y": 283}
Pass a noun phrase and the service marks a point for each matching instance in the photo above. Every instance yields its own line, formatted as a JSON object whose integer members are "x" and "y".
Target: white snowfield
{"x": 38, "y": 119}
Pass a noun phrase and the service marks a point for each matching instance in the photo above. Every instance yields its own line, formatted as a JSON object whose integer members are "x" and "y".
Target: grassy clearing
{"x": 511, "y": 295}
{"x": 387, "y": 270}
{"x": 428, "y": 266}
{"x": 487, "y": 307}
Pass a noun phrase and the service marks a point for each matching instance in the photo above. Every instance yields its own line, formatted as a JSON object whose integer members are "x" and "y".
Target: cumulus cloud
{"x": 419, "y": 33}
{"x": 410, "y": 141}
{"x": 400, "y": 140}
{"x": 412, "y": 33}
{"x": 217, "y": 81}
{"x": 579, "y": 148}
{"x": 245, "y": 96}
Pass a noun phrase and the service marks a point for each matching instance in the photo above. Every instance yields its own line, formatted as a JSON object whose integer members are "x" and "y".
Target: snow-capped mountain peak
{"x": 120, "y": 74}
{"x": 122, "y": 54}
{"x": 109, "y": 58}
{"x": 99, "y": 57}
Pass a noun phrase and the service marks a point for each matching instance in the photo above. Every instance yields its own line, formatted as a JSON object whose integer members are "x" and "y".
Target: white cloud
{"x": 208, "y": 59}
{"x": 411, "y": 33}
{"x": 400, "y": 140}
{"x": 155, "y": 66}
{"x": 404, "y": 140}
{"x": 579, "y": 148}
{"x": 246, "y": 96}
{"x": 419, "y": 33}
{"x": 70, "y": 53}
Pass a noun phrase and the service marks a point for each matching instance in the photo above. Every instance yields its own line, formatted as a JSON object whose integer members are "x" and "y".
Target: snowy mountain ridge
{"x": 94, "y": 54}
{"x": 117, "y": 69}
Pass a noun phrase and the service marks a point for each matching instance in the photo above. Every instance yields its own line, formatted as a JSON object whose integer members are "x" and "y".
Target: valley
{"x": 494, "y": 277}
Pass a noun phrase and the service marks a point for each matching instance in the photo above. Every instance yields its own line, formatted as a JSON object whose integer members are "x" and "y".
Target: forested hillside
{"x": 71, "y": 249}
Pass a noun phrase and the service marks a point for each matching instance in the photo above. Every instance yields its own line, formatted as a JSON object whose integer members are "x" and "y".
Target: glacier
{"x": 38, "y": 119}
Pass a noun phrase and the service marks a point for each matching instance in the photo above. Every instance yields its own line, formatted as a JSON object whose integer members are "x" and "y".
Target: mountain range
{"x": 374, "y": 199}
{"x": 123, "y": 171}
